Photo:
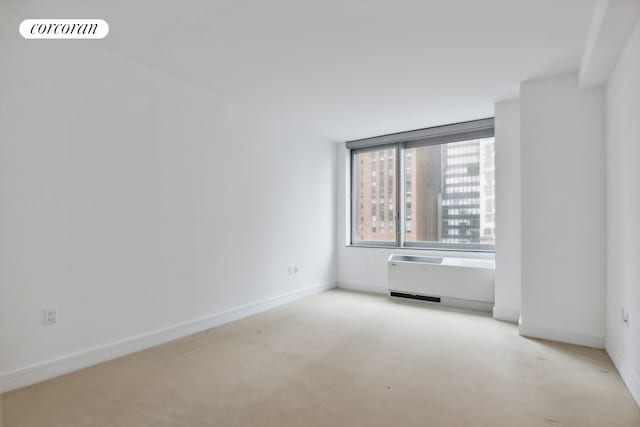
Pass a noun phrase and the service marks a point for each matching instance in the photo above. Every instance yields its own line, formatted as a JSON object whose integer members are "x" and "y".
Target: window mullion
{"x": 400, "y": 195}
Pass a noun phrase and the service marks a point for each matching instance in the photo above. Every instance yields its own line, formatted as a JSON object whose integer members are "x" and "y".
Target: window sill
{"x": 426, "y": 248}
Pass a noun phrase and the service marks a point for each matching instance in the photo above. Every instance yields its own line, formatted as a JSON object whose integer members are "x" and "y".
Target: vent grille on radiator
{"x": 412, "y": 296}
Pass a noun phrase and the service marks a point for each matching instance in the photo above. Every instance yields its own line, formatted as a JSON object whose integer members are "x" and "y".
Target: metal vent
{"x": 413, "y": 296}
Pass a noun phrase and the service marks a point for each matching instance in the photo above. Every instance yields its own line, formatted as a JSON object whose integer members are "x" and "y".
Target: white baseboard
{"x": 562, "y": 335}
{"x": 363, "y": 288}
{"x": 506, "y": 314}
{"x": 628, "y": 375}
{"x": 73, "y": 362}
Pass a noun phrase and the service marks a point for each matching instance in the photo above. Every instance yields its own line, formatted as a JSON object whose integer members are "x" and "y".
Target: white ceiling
{"x": 349, "y": 68}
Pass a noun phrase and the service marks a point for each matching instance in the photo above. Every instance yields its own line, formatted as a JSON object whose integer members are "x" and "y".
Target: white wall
{"x": 366, "y": 268}
{"x": 563, "y": 218}
{"x": 623, "y": 214}
{"x": 133, "y": 202}
{"x": 508, "y": 237}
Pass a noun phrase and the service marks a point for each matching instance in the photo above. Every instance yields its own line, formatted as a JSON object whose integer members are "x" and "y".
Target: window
{"x": 431, "y": 188}
{"x": 369, "y": 201}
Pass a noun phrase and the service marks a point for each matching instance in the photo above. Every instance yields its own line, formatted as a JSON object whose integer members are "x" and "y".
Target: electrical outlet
{"x": 295, "y": 269}
{"x": 50, "y": 316}
{"x": 290, "y": 270}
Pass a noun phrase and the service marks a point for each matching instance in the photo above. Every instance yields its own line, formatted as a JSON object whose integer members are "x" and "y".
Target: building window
{"x": 444, "y": 188}
{"x": 365, "y": 226}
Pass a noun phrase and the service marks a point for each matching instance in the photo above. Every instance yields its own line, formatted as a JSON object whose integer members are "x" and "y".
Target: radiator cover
{"x": 463, "y": 279}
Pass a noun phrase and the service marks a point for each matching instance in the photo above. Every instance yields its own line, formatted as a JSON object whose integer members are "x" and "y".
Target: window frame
{"x": 373, "y": 243}
{"x": 439, "y": 135}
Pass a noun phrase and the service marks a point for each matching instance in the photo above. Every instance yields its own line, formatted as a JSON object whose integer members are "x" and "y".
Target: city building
{"x": 448, "y": 194}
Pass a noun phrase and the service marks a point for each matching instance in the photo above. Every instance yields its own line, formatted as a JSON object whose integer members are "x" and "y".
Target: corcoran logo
{"x": 64, "y": 29}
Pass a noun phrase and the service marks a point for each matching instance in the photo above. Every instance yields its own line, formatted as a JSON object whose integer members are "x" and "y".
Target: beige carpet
{"x": 341, "y": 359}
